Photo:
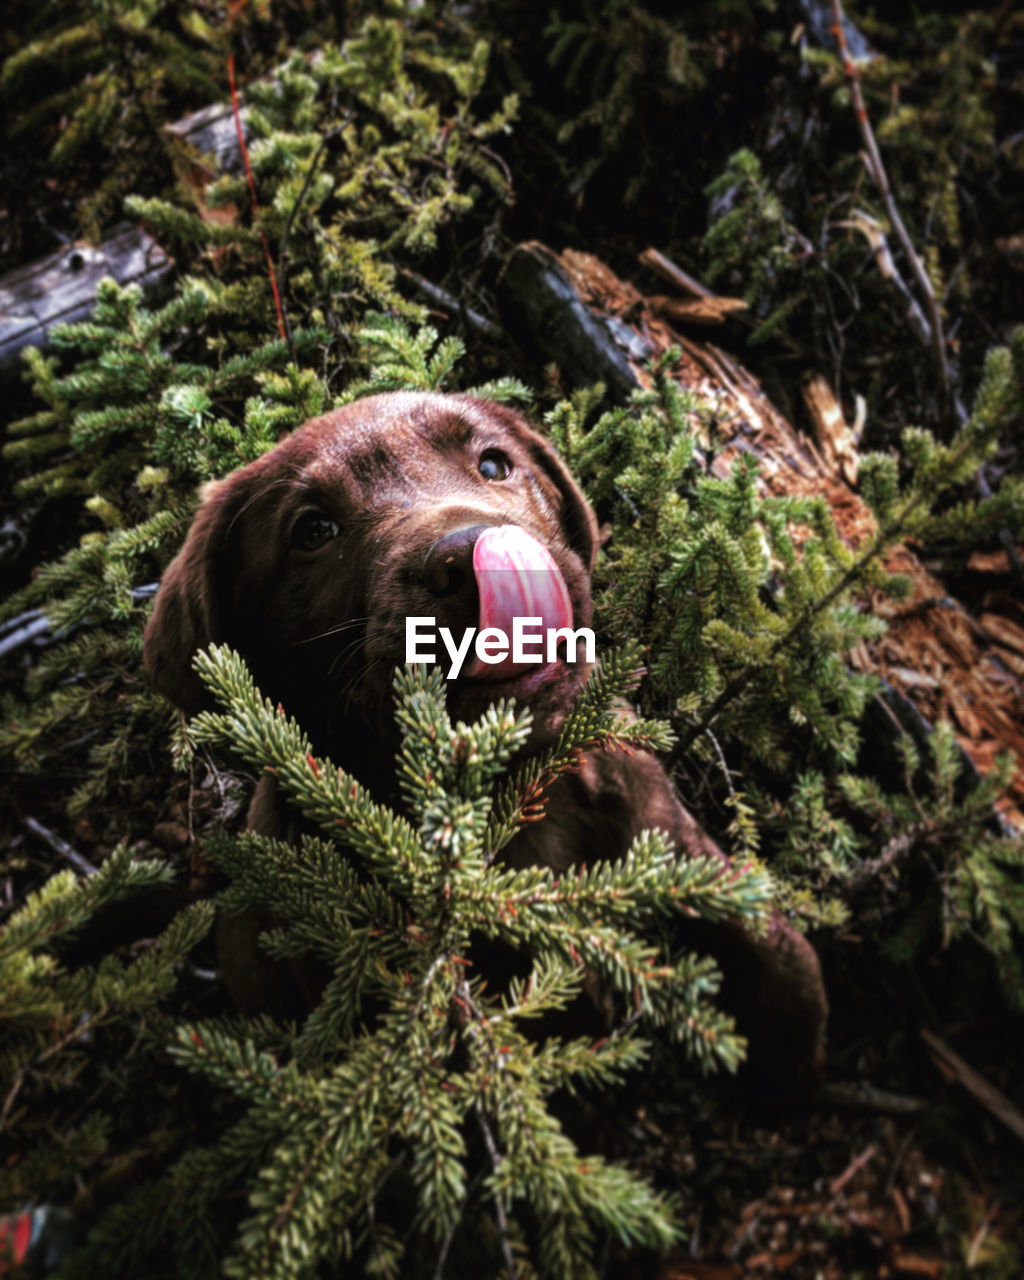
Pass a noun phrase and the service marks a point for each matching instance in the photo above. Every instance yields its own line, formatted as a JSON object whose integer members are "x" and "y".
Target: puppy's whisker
{"x": 339, "y": 660}
{"x": 333, "y": 631}
{"x": 349, "y": 692}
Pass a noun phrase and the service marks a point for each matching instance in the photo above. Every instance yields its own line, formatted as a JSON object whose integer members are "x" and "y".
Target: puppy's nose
{"x": 448, "y": 565}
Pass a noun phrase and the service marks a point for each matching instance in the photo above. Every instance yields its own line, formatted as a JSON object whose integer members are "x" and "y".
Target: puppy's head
{"x": 310, "y": 560}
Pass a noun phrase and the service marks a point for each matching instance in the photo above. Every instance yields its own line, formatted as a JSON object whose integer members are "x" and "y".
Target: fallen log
{"x": 937, "y": 661}
{"x": 61, "y": 288}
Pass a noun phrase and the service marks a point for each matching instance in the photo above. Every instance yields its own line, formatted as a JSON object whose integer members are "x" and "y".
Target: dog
{"x": 309, "y": 560}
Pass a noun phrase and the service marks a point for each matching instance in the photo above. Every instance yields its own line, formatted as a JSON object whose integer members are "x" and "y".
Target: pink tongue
{"x": 517, "y": 578}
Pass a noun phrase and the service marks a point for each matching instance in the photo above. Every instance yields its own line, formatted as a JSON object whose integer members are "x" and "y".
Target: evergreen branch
{"x": 64, "y": 903}
{"x": 332, "y": 1161}
{"x": 650, "y": 880}
{"x": 269, "y": 740}
{"x": 887, "y": 533}
{"x": 151, "y": 1215}
{"x": 593, "y": 722}
{"x": 253, "y": 1076}
{"x": 869, "y": 873}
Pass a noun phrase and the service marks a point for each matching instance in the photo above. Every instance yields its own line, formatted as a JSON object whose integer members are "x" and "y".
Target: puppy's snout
{"x": 448, "y": 565}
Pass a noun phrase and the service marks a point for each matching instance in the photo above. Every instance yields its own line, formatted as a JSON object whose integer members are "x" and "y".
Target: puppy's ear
{"x": 194, "y": 602}
{"x": 577, "y": 516}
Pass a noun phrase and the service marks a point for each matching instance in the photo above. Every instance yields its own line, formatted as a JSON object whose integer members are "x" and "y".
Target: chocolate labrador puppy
{"x": 309, "y": 562}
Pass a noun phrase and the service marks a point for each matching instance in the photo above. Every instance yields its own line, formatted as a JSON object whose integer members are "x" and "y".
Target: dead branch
{"x": 878, "y": 174}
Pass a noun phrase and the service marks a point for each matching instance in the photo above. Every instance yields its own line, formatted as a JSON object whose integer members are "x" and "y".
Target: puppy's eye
{"x": 495, "y": 465}
{"x": 313, "y": 530}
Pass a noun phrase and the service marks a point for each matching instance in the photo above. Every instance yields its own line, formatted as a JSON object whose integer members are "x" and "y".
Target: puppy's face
{"x": 310, "y": 560}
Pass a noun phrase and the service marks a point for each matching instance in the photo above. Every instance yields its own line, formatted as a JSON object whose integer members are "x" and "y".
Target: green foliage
{"x": 707, "y": 572}
{"x": 747, "y": 601}
{"x": 936, "y": 467}
{"x": 413, "y": 1065}
{"x": 359, "y": 156}
{"x": 752, "y": 246}
{"x": 816, "y": 847}
{"x": 400, "y": 360}
{"x": 127, "y": 434}
{"x": 618, "y": 61}
{"x": 52, "y": 1015}
{"x": 100, "y": 80}
{"x": 798, "y": 222}
{"x": 936, "y": 830}
{"x": 136, "y": 399}
{"x": 977, "y": 869}
{"x": 942, "y": 137}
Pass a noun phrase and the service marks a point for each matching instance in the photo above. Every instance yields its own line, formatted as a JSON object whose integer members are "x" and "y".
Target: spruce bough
{"x": 413, "y": 1072}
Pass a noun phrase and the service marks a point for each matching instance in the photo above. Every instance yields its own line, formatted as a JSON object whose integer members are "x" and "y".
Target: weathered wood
{"x": 211, "y": 135}
{"x": 700, "y": 311}
{"x": 668, "y": 270}
{"x": 61, "y": 288}
{"x": 837, "y": 440}
{"x": 539, "y": 301}
{"x": 937, "y": 661}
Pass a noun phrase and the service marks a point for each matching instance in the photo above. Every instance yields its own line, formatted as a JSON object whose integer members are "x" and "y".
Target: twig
{"x": 446, "y": 1243}
{"x": 668, "y": 270}
{"x": 723, "y": 765}
{"x": 282, "y": 253}
{"x": 282, "y": 326}
{"x": 895, "y": 849}
{"x": 82, "y": 1028}
{"x": 860, "y": 1096}
{"x": 59, "y": 846}
{"x": 499, "y": 1208}
{"x": 851, "y": 1170}
{"x": 871, "y": 229}
{"x": 22, "y": 629}
{"x": 994, "y": 1100}
{"x": 441, "y": 298}
{"x": 881, "y": 179}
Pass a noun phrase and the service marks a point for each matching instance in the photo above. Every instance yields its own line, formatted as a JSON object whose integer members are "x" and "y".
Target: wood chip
{"x": 1003, "y": 631}
{"x": 707, "y": 311}
{"x": 1011, "y": 660}
{"x": 963, "y": 714}
{"x": 916, "y": 1264}
{"x": 913, "y": 678}
{"x": 991, "y": 561}
{"x": 901, "y": 1208}
{"x": 834, "y": 435}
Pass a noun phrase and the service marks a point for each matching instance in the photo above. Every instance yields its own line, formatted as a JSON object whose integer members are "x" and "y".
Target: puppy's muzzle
{"x": 448, "y": 567}
{"x": 499, "y": 575}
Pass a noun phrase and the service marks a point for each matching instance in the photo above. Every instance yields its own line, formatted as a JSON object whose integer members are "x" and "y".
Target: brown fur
{"x": 322, "y": 631}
